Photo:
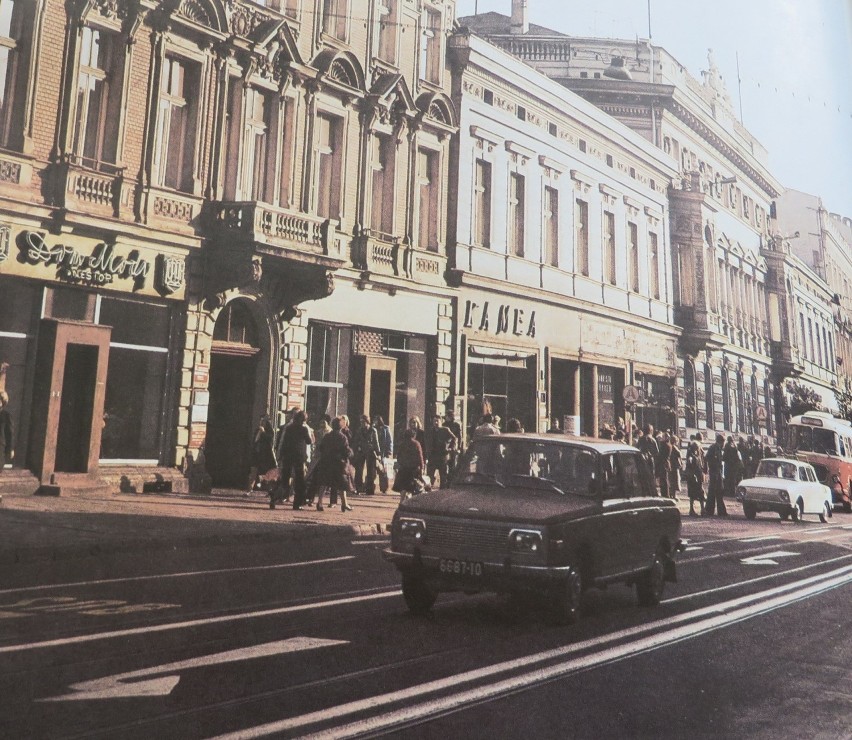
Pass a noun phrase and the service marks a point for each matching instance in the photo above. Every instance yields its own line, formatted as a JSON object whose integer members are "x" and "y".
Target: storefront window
{"x": 136, "y": 379}
{"x": 18, "y": 309}
{"x": 328, "y": 370}
{"x": 501, "y": 386}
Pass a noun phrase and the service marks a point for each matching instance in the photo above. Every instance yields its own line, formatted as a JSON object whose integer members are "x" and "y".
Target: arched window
{"x": 708, "y": 396}
{"x": 726, "y": 400}
{"x": 235, "y": 326}
{"x": 689, "y": 394}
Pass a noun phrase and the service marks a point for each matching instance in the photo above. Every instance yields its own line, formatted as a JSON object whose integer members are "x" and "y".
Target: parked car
{"x": 548, "y": 514}
{"x": 788, "y": 487}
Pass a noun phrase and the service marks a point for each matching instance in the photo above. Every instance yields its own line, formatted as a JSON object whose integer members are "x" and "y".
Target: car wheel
{"x": 825, "y": 514}
{"x": 785, "y": 515}
{"x": 749, "y": 511}
{"x": 847, "y": 506}
{"x": 649, "y": 587}
{"x": 797, "y": 511}
{"x": 565, "y": 604}
{"x": 419, "y": 597}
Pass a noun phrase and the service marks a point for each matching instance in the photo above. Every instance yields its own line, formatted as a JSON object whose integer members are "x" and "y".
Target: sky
{"x": 795, "y": 67}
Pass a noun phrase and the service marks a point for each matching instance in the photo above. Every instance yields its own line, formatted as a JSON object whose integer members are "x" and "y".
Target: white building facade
{"x": 561, "y": 254}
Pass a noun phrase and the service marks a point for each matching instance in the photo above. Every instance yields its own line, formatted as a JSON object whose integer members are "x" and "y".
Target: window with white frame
{"x": 174, "y": 146}
{"x": 430, "y": 46}
{"x": 654, "y": 257}
{"x": 334, "y": 18}
{"x": 633, "y": 256}
{"x": 482, "y": 204}
{"x": 428, "y": 181}
{"x": 382, "y": 162}
{"x": 609, "y": 247}
{"x": 13, "y": 26}
{"x": 387, "y": 30}
{"x": 551, "y": 226}
{"x": 517, "y": 203}
{"x": 329, "y": 159}
{"x": 581, "y": 227}
{"x": 98, "y": 103}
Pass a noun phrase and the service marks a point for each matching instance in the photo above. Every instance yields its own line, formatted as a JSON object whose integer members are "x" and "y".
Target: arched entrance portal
{"x": 234, "y": 365}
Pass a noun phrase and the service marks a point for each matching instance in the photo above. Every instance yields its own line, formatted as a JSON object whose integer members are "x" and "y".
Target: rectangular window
{"x": 653, "y": 249}
{"x": 609, "y": 247}
{"x": 382, "y": 163}
{"x": 482, "y": 204}
{"x": 517, "y": 185}
{"x": 430, "y": 195}
{"x": 633, "y": 256}
{"x": 430, "y": 46}
{"x": 258, "y": 150}
{"x": 329, "y": 157}
{"x": 581, "y": 224}
{"x": 13, "y": 26}
{"x": 387, "y": 30}
{"x": 98, "y": 98}
{"x": 334, "y": 16}
{"x": 174, "y": 152}
{"x": 551, "y": 226}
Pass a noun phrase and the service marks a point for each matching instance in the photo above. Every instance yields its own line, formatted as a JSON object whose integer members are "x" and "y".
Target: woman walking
{"x": 262, "y": 455}
{"x": 409, "y": 457}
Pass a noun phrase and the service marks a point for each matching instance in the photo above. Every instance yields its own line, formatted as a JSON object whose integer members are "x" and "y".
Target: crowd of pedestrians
{"x": 304, "y": 461}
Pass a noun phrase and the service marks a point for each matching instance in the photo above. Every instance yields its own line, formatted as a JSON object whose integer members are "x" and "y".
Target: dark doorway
{"x": 229, "y": 421}
{"x": 380, "y": 394}
{"x": 75, "y": 414}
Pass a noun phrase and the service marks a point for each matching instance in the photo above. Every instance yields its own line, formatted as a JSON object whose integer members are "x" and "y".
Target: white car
{"x": 788, "y": 487}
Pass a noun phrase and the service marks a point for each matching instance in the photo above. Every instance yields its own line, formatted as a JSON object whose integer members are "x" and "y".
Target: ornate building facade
{"x": 213, "y": 209}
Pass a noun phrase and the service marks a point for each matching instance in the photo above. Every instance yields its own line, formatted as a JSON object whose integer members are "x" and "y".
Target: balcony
{"x": 100, "y": 191}
{"x": 699, "y": 330}
{"x": 276, "y": 231}
{"x": 382, "y": 254}
{"x": 786, "y": 361}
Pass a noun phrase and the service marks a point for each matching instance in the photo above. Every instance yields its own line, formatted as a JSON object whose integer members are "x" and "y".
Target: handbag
{"x": 384, "y": 483}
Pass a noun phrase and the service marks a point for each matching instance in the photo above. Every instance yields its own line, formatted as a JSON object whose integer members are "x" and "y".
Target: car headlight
{"x": 741, "y": 492}
{"x": 412, "y": 529}
{"x": 783, "y": 495}
{"x": 525, "y": 540}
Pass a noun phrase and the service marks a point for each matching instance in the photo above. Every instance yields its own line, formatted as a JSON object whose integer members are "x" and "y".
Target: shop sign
{"x": 197, "y": 435}
{"x": 201, "y": 375}
{"x": 78, "y": 260}
{"x": 296, "y": 379}
{"x": 499, "y": 318}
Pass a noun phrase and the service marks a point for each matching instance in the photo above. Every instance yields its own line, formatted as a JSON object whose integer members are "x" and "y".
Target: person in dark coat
{"x": 441, "y": 443}
{"x": 647, "y": 445}
{"x": 409, "y": 457}
{"x": 293, "y": 456}
{"x": 715, "y": 462}
{"x": 695, "y": 478}
{"x": 451, "y": 424}
{"x": 663, "y": 464}
{"x": 6, "y": 449}
{"x": 262, "y": 454}
{"x": 733, "y": 471}
{"x": 333, "y": 468}
{"x": 365, "y": 445}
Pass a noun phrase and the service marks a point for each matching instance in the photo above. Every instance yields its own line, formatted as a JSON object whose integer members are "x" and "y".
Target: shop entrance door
{"x": 68, "y": 398}
{"x": 375, "y": 379}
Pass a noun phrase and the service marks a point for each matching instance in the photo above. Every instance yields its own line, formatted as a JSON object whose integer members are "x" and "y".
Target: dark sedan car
{"x": 546, "y": 514}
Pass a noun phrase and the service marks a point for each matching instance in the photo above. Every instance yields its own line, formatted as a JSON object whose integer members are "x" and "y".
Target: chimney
{"x": 520, "y": 19}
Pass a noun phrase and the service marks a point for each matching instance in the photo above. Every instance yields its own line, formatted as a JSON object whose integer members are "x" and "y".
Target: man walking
{"x": 441, "y": 442}
{"x": 293, "y": 456}
{"x": 714, "y": 461}
{"x": 451, "y": 424}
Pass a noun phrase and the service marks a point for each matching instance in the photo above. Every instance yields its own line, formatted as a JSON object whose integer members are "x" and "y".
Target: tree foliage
{"x": 801, "y": 400}
{"x": 844, "y": 400}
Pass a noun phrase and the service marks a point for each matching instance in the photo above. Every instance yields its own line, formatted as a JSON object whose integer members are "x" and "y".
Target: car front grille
{"x": 472, "y": 537}
{"x": 764, "y": 494}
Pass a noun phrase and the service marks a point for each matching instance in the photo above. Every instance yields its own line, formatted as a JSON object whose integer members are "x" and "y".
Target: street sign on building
{"x": 631, "y": 394}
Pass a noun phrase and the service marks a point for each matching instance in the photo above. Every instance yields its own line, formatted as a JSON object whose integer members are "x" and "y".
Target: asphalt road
{"x": 314, "y": 640}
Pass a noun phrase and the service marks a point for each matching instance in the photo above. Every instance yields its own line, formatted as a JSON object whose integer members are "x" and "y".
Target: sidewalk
{"x": 38, "y": 528}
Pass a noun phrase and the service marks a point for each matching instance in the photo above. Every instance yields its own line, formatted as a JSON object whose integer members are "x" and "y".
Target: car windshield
{"x": 532, "y": 464}
{"x": 777, "y": 469}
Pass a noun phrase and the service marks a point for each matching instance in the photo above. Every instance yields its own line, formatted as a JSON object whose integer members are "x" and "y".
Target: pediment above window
{"x": 340, "y": 69}
{"x": 437, "y": 110}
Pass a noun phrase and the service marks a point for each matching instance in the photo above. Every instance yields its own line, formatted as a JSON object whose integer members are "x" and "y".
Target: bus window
{"x": 823, "y": 442}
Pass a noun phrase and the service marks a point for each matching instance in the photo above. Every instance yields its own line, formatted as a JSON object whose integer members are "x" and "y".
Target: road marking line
{"x": 117, "y": 686}
{"x": 767, "y": 558}
{"x": 777, "y": 574}
{"x": 762, "y": 539}
{"x": 692, "y": 548}
{"x": 187, "y": 574}
{"x": 713, "y": 617}
{"x": 195, "y": 622}
{"x": 818, "y": 531}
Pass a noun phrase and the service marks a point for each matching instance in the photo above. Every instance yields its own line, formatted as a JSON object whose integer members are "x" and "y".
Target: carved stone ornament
{"x": 340, "y": 72}
{"x": 5, "y": 236}
{"x": 197, "y": 12}
{"x": 245, "y": 20}
{"x": 170, "y": 274}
